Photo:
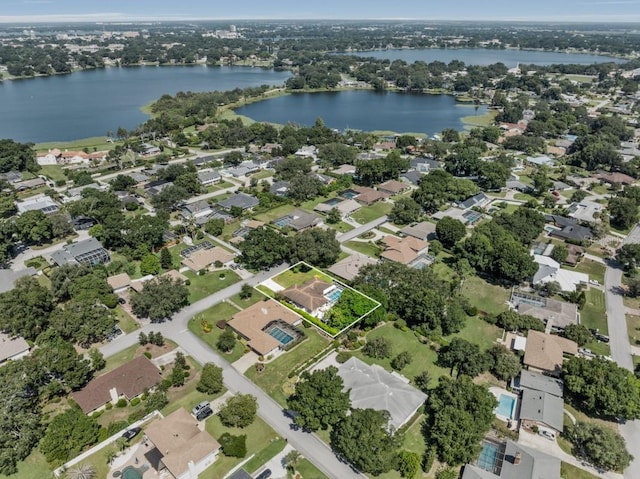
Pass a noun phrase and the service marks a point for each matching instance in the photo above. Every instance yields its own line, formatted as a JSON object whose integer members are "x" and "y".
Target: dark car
{"x": 264, "y": 474}
{"x": 204, "y": 413}
{"x": 121, "y": 300}
{"x": 131, "y": 433}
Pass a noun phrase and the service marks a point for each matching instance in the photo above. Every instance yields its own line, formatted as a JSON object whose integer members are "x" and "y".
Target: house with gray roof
{"x": 541, "y": 409}
{"x": 568, "y": 229}
{"x": 89, "y": 251}
{"x": 480, "y": 200}
{"x": 197, "y": 209}
{"x": 8, "y": 277}
{"x": 514, "y": 461}
{"x": 155, "y": 187}
{"x": 372, "y": 387}
{"x": 41, "y": 203}
{"x": 139, "y": 178}
{"x": 538, "y": 382}
{"x": 424, "y": 231}
{"x": 209, "y": 177}
{"x": 412, "y": 177}
{"x": 279, "y": 188}
{"x": 12, "y": 348}
{"x": 239, "y": 200}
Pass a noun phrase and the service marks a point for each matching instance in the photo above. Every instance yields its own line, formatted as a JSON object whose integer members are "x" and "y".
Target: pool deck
{"x": 497, "y": 392}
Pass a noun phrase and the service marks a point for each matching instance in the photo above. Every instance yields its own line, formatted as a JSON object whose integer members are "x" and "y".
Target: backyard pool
{"x": 490, "y": 457}
{"x": 334, "y": 295}
{"x": 333, "y": 201}
{"x": 280, "y": 335}
{"x": 505, "y": 406}
{"x": 131, "y": 473}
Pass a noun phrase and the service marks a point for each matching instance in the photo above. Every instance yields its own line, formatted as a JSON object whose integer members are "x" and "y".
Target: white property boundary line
{"x": 334, "y": 280}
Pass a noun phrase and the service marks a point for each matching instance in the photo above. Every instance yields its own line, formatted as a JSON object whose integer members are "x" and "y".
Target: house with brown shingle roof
{"x": 204, "y": 258}
{"x": 545, "y": 352}
{"x": 255, "y": 322}
{"x": 119, "y": 282}
{"x": 128, "y": 381}
{"x": 309, "y": 296}
{"x": 368, "y": 196}
{"x": 615, "y": 178}
{"x": 182, "y": 448}
{"x": 12, "y": 349}
{"x": 403, "y": 250}
{"x": 393, "y": 187}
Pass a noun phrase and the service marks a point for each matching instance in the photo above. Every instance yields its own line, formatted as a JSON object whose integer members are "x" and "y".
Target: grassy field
{"x": 126, "y": 322}
{"x": 259, "y": 437}
{"x": 256, "y": 296}
{"x": 55, "y": 172}
{"x": 370, "y": 213}
{"x": 100, "y": 143}
{"x": 341, "y": 227}
{"x": 35, "y": 466}
{"x": 480, "y": 332}
{"x": 203, "y": 286}
{"x": 484, "y": 296}
{"x": 633, "y": 327}
{"x": 593, "y": 269}
{"x": 593, "y": 314}
{"x": 365, "y": 247}
{"x": 275, "y": 213}
{"x": 221, "y": 311}
{"x": 275, "y": 373}
{"x": 291, "y": 276}
{"x": 423, "y": 357}
{"x": 479, "y": 120}
{"x": 308, "y": 471}
{"x": 567, "y": 471}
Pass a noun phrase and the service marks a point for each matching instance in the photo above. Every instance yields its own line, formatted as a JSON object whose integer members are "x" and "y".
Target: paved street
{"x": 354, "y": 233}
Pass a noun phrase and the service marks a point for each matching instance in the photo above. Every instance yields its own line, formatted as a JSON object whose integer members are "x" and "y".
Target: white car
{"x": 594, "y": 281}
{"x": 548, "y": 434}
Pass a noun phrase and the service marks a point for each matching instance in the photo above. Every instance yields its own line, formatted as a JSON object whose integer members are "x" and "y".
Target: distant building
{"x": 239, "y": 200}
{"x": 89, "y": 251}
{"x": 349, "y": 267}
{"x": 209, "y": 177}
{"x": 42, "y": 203}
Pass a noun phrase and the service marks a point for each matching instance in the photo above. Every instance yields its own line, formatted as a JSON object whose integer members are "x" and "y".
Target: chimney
{"x": 516, "y": 459}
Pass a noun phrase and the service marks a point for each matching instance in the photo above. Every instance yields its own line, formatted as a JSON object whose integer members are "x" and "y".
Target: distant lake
{"x": 92, "y": 102}
{"x": 365, "y": 110}
{"x": 487, "y": 56}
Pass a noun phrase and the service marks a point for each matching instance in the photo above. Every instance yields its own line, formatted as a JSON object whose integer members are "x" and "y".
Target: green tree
{"x": 505, "y": 365}
{"x": 150, "y": 264}
{"x": 319, "y": 399}
{"x": 67, "y": 435}
{"x": 446, "y": 473}
{"x": 405, "y": 211}
{"x": 450, "y": 231}
{"x": 291, "y": 460}
{"x": 623, "y": 212}
{"x": 316, "y": 246}
{"x": 578, "y": 333}
{"x": 227, "y": 341}
{"x": 25, "y": 310}
{"x": 60, "y": 225}
{"x": 16, "y": 156}
{"x": 365, "y": 441}
{"x": 83, "y": 322}
{"x": 560, "y": 253}
{"x": 160, "y": 299}
{"x": 408, "y": 464}
{"x": 33, "y": 227}
{"x": 156, "y": 401}
{"x": 60, "y": 360}
{"x": 541, "y": 181}
{"x": 304, "y": 187}
{"x": 334, "y": 216}
{"x": 233, "y": 446}
{"x": 239, "y": 411}
{"x": 122, "y": 183}
{"x": 401, "y": 360}
{"x": 378, "y": 348}
{"x": 422, "y": 381}
{"x": 264, "y": 248}
{"x": 97, "y": 359}
{"x": 166, "y": 260}
{"x": 601, "y": 446}
{"x": 210, "y": 379}
{"x": 629, "y": 255}
{"x": 463, "y": 357}
{"x": 214, "y": 226}
{"x": 456, "y": 406}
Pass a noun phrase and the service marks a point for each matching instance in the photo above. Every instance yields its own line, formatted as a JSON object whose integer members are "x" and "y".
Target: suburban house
{"x": 542, "y": 160}
{"x": 140, "y": 178}
{"x": 29, "y": 184}
{"x": 545, "y": 352}
{"x": 349, "y": 267}
{"x": 409, "y": 251}
{"x": 239, "y": 200}
{"x": 75, "y": 194}
{"x": 424, "y": 165}
{"x": 119, "y": 282}
{"x": 12, "y": 349}
{"x": 568, "y": 229}
{"x": 127, "y": 381}
{"x": 41, "y": 203}
{"x": 262, "y": 326}
{"x": 556, "y": 315}
{"x": 615, "y": 178}
{"x": 279, "y": 188}
{"x": 480, "y": 201}
{"x": 309, "y": 296}
{"x": 345, "y": 207}
{"x": 298, "y": 220}
{"x": 549, "y": 271}
{"x": 344, "y": 170}
{"x": 89, "y": 251}
{"x": 392, "y": 187}
{"x": 372, "y": 387}
{"x": 513, "y": 461}
{"x": 424, "y": 231}
{"x": 412, "y": 177}
{"x": 8, "y": 277}
{"x": 585, "y": 210}
{"x": 199, "y": 211}
{"x": 155, "y": 187}
{"x": 208, "y": 177}
{"x": 204, "y": 258}
{"x": 541, "y": 402}
{"x": 243, "y": 169}
{"x": 368, "y": 196}
{"x": 182, "y": 449}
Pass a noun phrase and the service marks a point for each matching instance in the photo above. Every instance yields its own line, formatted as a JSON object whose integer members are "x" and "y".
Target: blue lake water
{"x": 90, "y": 103}
{"x": 366, "y": 110}
{"x": 485, "y": 56}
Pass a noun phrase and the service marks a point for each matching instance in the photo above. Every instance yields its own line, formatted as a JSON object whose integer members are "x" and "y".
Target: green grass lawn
{"x": 100, "y": 143}
{"x": 120, "y": 358}
{"x": 126, "y": 322}
{"x": 633, "y": 327}
{"x": 365, "y": 247}
{"x": 256, "y": 296}
{"x": 54, "y": 172}
{"x": 259, "y": 437}
{"x": 265, "y": 455}
{"x": 341, "y": 227}
{"x": 261, "y": 175}
{"x": 593, "y": 314}
{"x": 308, "y": 471}
{"x": 291, "y": 276}
{"x": 221, "y": 311}
{"x": 568, "y": 471}
{"x": 413, "y": 442}
{"x": 35, "y": 466}
{"x": 203, "y": 286}
{"x": 484, "y": 296}
{"x": 275, "y": 373}
{"x": 370, "y": 213}
{"x": 423, "y": 358}
{"x": 275, "y": 213}
{"x": 478, "y": 331}
{"x": 593, "y": 269}
{"x": 311, "y": 204}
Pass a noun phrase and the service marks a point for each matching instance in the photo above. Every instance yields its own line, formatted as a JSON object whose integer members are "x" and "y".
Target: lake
{"x": 92, "y": 102}
{"x": 366, "y": 110}
{"x": 486, "y": 56}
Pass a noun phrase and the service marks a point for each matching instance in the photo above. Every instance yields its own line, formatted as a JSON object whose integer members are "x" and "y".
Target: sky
{"x": 123, "y": 10}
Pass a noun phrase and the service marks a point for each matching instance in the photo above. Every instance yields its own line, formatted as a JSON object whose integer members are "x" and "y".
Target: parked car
{"x": 199, "y": 407}
{"x": 131, "y": 433}
{"x": 548, "y": 434}
{"x": 595, "y": 282}
{"x": 121, "y": 300}
{"x": 204, "y": 413}
{"x": 264, "y": 474}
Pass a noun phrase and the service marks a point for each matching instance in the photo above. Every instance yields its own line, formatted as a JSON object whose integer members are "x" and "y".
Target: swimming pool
{"x": 280, "y": 335}
{"x": 488, "y": 456}
{"x": 282, "y": 222}
{"x": 505, "y": 406}
{"x": 131, "y": 473}
{"x": 334, "y": 295}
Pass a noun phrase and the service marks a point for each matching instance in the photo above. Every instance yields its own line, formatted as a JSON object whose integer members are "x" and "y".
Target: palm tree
{"x": 82, "y": 471}
{"x": 291, "y": 460}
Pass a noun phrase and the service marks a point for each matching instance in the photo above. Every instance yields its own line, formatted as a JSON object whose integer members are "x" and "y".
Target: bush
{"x": 342, "y": 357}
{"x": 108, "y": 406}
{"x": 470, "y": 310}
{"x": 401, "y": 360}
{"x": 136, "y": 415}
{"x": 122, "y": 402}
{"x": 401, "y": 324}
{"x": 378, "y": 348}
{"x": 210, "y": 379}
{"x": 135, "y": 401}
{"x": 147, "y": 354}
{"x": 239, "y": 411}
{"x": 233, "y": 446}
{"x": 428, "y": 458}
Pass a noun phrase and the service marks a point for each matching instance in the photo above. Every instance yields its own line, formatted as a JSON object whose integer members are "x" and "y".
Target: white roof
{"x": 519, "y": 343}
{"x": 549, "y": 270}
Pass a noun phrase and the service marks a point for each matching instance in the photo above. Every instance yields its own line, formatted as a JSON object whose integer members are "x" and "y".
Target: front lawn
{"x": 259, "y": 437}
{"x": 294, "y": 276}
{"x": 35, "y": 466}
{"x": 594, "y": 269}
{"x": 275, "y": 213}
{"x": 308, "y": 471}
{"x": 423, "y": 357}
{"x": 370, "y": 213}
{"x": 54, "y": 172}
{"x": 367, "y": 248}
{"x": 568, "y": 471}
{"x": 486, "y": 297}
{"x": 221, "y": 311}
{"x": 203, "y": 286}
{"x": 341, "y": 227}
{"x": 633, "y": 327}
{"x": 275, "y": 372}
{"x": 126, "y": 322}
{"x": 593, "y": 314}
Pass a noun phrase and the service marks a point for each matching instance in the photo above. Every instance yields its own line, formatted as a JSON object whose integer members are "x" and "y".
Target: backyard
{"x": 370, "y": 213}
{"x": 295, "y": 275}
{"x": 486, "y": 297}
{"x": 221, "y": 311}
{"x": 367, "y": 248}
{"x": 203, "y": 286}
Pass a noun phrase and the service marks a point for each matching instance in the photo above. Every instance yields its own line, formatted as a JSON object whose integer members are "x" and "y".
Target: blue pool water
{"x": 281, "y": 336}
{"x": 505, "y": 406}
{"x": 282, "y": 222}
{"x": 334, "y": 295}
{"x": 333, "y": 201}
{"x": 488, "y": 457}
{"x": 131, "y": 473}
